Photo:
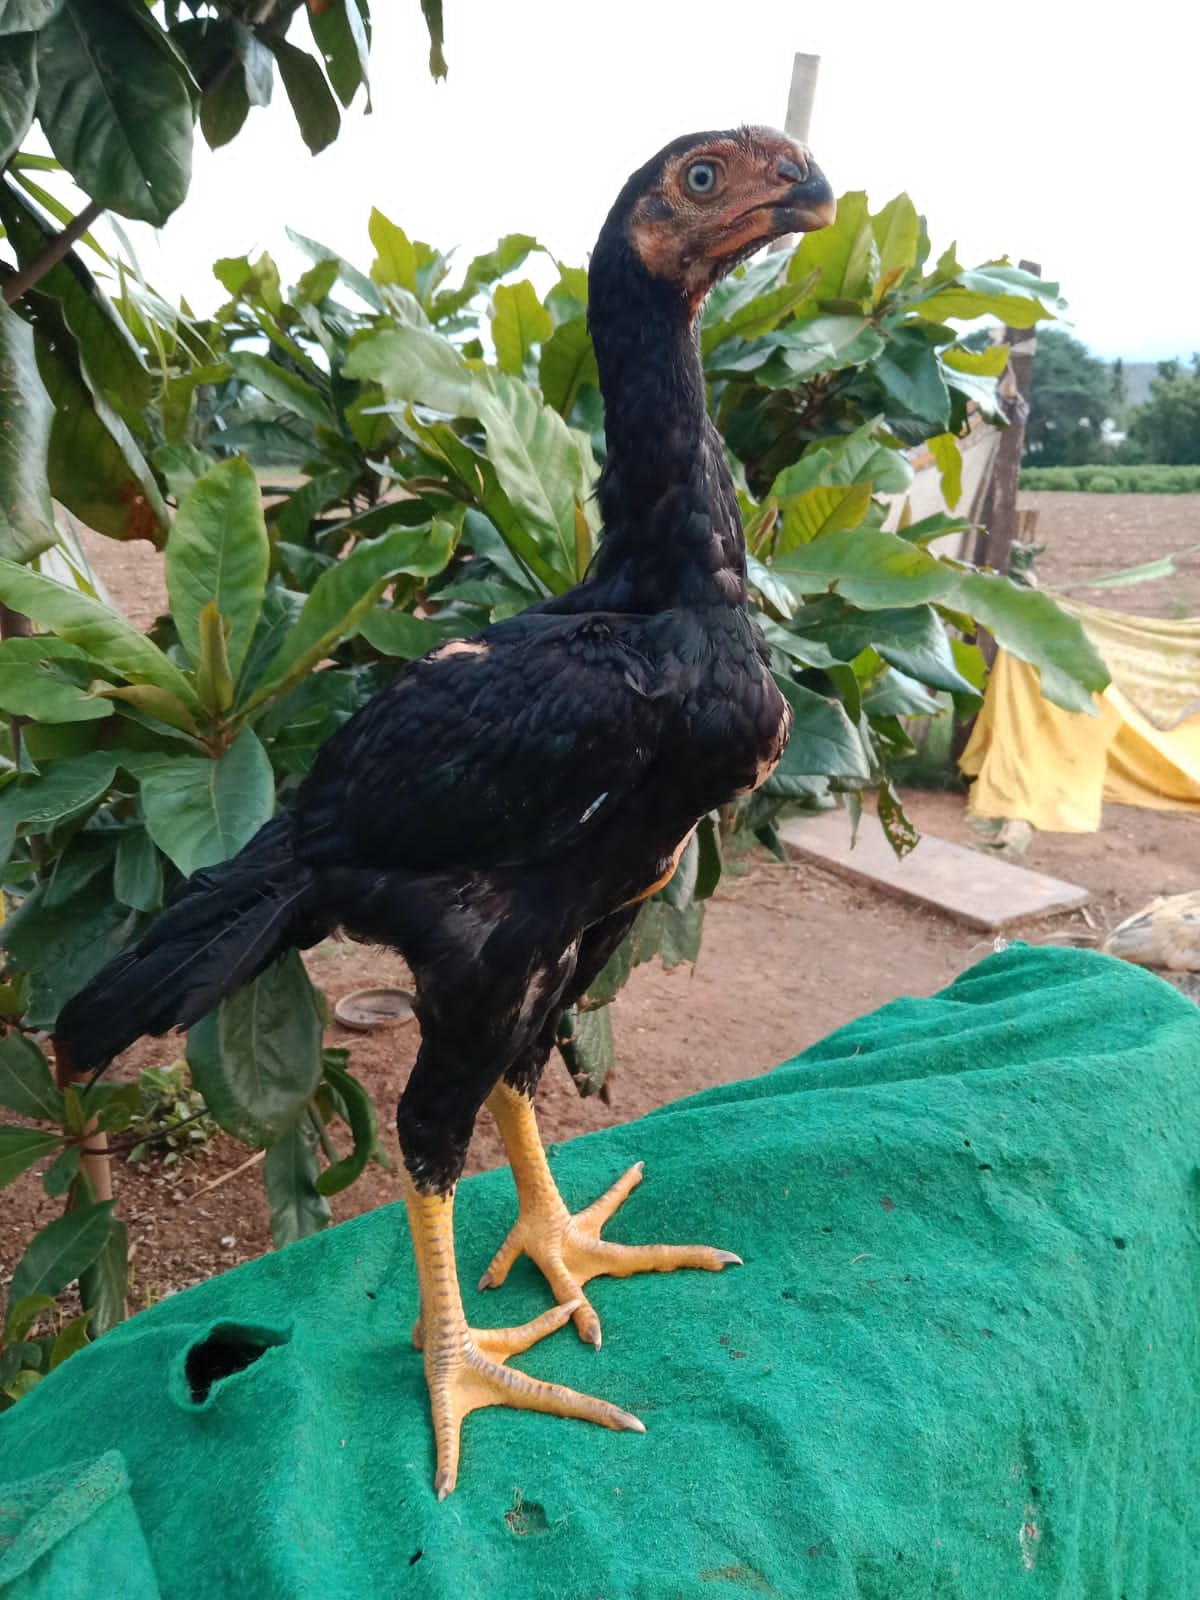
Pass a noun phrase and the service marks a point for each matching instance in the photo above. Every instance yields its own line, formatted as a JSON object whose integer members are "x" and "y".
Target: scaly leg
{"x": 569, "y": 1249}
{"x": 464, "y": 1367}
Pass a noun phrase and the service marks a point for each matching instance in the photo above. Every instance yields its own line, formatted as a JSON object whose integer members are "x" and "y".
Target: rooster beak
{"x": 808, "y": 203}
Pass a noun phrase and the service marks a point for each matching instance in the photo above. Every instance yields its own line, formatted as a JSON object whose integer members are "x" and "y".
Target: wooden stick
{"x": 801, "y": 95}
{"x": 225, "y": 1177}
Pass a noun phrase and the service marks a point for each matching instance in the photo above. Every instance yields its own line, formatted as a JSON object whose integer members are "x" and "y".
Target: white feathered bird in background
{"x": 1166, "y": 933}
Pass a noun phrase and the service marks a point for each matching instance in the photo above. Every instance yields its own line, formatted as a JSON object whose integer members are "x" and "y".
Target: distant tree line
{"x": 1080, "y": 413}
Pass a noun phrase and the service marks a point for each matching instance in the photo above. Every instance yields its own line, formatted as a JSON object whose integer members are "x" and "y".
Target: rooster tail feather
{"x": 225, "y": 925}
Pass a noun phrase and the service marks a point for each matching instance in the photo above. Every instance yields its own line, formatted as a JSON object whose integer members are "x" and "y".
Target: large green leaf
{"x": 25, "y": 1082}
{"x": 682, "y": 932}
{"x": 415, "y": 365}
{"x": 215, "y": 49}
{"x": 897, "y": 230}
{"x": 350, "y": 275}
{"x": 316, "y": 110}
{"x": 298, "y": 725}
{"x": 224, "y": 109}
{"x": 996, "y": 290}
{"x": 257, "y": 1058}
{"x": 339, "y": 34}
{"x": 537, "y": 463}
{"x": 61, "y": 947}
{"x": 60, "y": 1252}
{"x": 830, "y": 250}
{"x": 108, "y": 353}
{"x": 895, "y": 694}
{"x": 218, "y": 550}
{"x": 1029, "y": 625}
{"x": 395, "y": 258}
{"x": 346, "y": 592}
{"x": 400, "y": 634}
{"x": 309, "y": 500}
{"x": 431, "y": 10}
{"x": 585, "y": 1039}
{"x": 18, "y": 88}
{"x": 519, "y": 321}
{"x": 281, "y": 607}
{"x": 804, "y": 349}
{"x": 22, "y": 1314}
{"x": 290, "y": 1171}
{"x": 820, "y": 511}
{"x": 201, "y": 811}
{"x": 137, "y": 871}
{"x": 860, "y": 457}
{"x": 867, "y": 568}
{"x": 67, "y": 786}
{"x": 944, "y": 449}
{"x": 567, "y": 361}
{"x": 272, "y": 444}
{"x": 363, "y": 1127}
{"x": 26, "y": 415}
{"x": 824, "y": 742}
{"x": 94, "y": 627}
{"x": 477, "y": 477}
{"x": 27, "y": 16}
{"x": 282, "y": 386}
{"x": 103, "y": 1282}
{"x": 20, "y": 1148}
{"x": 757, "y": 316}
{"x": 114, "y": 101}
{"x": 96, "y": 467}
{"x": 69, "y": 1340}
{"x": 909, "y": 371}
{"x": 510, "y": 252}
{"x": 911, "y": 638}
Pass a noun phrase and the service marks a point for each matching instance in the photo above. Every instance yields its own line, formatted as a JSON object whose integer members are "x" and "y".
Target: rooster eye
{"x": 702, "y": 177}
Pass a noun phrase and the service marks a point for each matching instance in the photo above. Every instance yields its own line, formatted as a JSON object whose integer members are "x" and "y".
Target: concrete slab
{"x": 978, "y": 889}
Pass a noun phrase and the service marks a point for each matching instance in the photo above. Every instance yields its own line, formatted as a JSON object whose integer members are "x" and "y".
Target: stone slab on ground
{"x": 978, "y": 889}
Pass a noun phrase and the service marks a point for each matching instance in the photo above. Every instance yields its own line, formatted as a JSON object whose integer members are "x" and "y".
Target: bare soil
{"x": 790, "y": 951}
{"x": 1090, "y": 535}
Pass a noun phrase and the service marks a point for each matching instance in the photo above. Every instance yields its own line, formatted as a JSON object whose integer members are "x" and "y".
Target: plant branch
{"x": 25, "y": 277}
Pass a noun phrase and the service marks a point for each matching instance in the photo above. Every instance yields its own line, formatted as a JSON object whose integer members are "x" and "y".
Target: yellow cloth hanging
{"x": 1054, "y": 768}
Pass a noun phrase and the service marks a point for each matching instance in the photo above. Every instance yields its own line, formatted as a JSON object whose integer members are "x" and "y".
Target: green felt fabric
{"x": 960, "y": 1360}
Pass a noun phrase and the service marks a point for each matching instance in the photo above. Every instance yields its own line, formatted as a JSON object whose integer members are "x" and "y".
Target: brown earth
{"x": 790, "y": 951}
{"x": 1089, "y": 535}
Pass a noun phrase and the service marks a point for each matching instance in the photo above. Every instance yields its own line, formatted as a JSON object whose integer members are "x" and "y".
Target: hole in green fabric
{"x": 526, "y": 1516}
{"x": 229, "y": 1348}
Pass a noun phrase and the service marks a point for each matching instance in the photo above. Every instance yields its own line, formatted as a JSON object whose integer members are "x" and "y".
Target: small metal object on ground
{"x": 367, "y": 1008}
{"x": 977, "y": 889}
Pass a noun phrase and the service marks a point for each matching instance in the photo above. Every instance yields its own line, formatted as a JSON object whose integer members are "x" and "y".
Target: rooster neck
{"x": 672, "y": 528}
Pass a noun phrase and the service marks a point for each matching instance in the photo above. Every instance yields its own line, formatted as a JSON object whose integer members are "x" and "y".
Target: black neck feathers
{"x": 672, "y": 529}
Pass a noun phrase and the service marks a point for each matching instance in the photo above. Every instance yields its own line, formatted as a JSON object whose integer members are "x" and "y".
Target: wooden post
{"x": 801, "y": 95}
{"x": 994, "y": 541}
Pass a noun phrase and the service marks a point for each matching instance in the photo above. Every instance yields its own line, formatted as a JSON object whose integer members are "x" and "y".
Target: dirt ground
{"x": 1089, "y": 535}
{"x": 790, "y": 950}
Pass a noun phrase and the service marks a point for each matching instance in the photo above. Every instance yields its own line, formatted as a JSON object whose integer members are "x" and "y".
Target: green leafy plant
{"x": 173, "y": 1119}
{"x": 117, "y": 90}
{"x": 87, "y": 1244}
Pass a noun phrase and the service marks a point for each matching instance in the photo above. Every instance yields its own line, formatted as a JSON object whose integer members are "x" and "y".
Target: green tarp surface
{"x": 960, "y": 1360}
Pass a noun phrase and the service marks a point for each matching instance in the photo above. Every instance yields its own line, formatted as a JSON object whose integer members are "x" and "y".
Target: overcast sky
{"x": 1060, "y": 131}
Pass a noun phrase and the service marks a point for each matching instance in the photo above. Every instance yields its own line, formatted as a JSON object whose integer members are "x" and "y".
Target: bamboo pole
{"x": 801, "y": 96}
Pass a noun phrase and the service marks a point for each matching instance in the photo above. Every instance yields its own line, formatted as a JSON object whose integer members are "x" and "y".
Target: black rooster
{"x": 497, "y": 813}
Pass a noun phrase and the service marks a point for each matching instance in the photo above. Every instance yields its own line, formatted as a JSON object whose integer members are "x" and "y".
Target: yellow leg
{"x": 569, "y": 1249}
{"x": 464, "y": 1367}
